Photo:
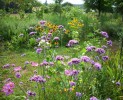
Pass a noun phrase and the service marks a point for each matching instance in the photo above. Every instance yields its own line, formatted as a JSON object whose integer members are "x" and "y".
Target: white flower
{"x": 41, "y": 42}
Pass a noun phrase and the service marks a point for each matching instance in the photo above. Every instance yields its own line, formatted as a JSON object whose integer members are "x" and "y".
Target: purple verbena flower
{"x": 100, "y": 50}
{"x": 71, "y": 72}
{"x": 74, "y": 61}
{"x": 18, "y": 75}
{"x": 75, "y": 72}
{"x": 38, "y": 39}
{"x": 59, "y": 57}
{"x": 85, "y": 58}
{"x": 6, "y": 66}
{"x": 93, "y": 98}
{"x": 43, "y": 38}
{"x": 72, "y": 83}
{"x": 38, "y": 51}
{"x": 118, "y": 83}
{"x": 49, "y": 34}
{"x": 105, "y": 34}
{"x": 32, "y": 33}
{"x": 43, "y": 22}
{"x": 72, "y": 43}
{"x": 26, "y": 62}
{"x": 17, "y": 69}
{"x": 51, "y": 63}
{"x": 78, "y": 94}
{"x": 60, "y": 27}
{"x": 109, "y": 43}
{"x": 70, "y": 63}
{"x": 44, "y": 63}
{"x": 8, "y": 88}
{"x": 104, "y": 47}
{"x": 90, "y": 48}
{"x": 30, "y": 93}
{"x": 68, "y": 72}
{"x": 92, "y": 62}
{"x": 34, "y": 64}
{"x": 104, "y": 58}
{"x": 13, "y": 65}
{"x": 7, "y": 80}
{"x": 38, "y": 78}
{"x": 97, "y": 65}
{"x": 56, "y": 38}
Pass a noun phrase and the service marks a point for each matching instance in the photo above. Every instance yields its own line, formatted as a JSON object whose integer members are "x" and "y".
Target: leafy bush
{"x": 112, "y": 25}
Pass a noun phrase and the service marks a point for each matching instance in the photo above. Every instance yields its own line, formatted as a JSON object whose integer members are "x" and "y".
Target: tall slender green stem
{"x": 44, "y": 73}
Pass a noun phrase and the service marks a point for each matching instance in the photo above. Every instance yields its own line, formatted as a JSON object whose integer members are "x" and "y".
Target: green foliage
{"x": 111, "y": 25}
{"x": 32, "y": 42}
{"x": 100, "y": 5}
{"x": 39, "y": 12}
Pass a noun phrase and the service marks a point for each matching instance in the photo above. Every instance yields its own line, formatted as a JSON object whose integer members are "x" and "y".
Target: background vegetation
{"x": 83, "y": 23}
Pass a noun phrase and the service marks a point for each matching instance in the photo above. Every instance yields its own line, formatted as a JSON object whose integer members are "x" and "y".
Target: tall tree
{"x": 25, "y": 5}
{"x": 119, "y": 6}
{"x": 100, "y": 5}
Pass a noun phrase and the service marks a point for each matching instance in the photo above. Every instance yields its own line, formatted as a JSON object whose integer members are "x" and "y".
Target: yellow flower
{"x": 75, "y": 23}
{"x": 67, "y": 31}
{"x": 56, "y": 43}
{"x": 73, "y": 88}
{"x": 65, "y": 90}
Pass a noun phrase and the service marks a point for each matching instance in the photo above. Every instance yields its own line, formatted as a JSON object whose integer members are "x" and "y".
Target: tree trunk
{"x": 121, "y": 47}
{"x": 99, "y": 7}
{"x": 122, "y": 18}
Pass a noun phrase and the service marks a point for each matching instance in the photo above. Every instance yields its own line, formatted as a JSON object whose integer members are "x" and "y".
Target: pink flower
{"x": 10, "y": 84}
{"x": 34, "y": 64}
{"x": 8, "y": 88}
{"x": 16, "y": 69}
{"x": 68, "y": 72}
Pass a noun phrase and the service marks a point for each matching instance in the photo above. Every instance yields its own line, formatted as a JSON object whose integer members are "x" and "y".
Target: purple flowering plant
{"x": 51, "y": 76}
